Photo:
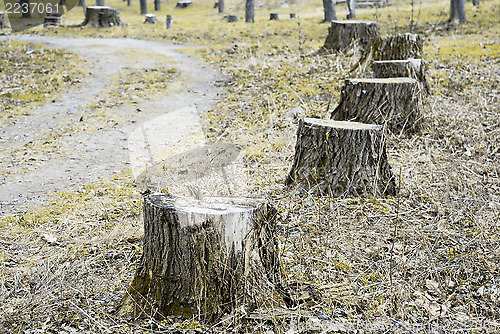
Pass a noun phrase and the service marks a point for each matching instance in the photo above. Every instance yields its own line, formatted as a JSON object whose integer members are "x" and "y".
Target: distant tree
{"x": 250, "y": 11}
{"x": 351, "y": 9}
{"x": 221, "y": 6}
{"x": 157, "y": 5}
{"x": 457, "y": 11}
{"x": 144, "y": 7}
{"x": 475, "y": 2}
{"x": 329, "y": 10}
{"x": 81, "y": 3}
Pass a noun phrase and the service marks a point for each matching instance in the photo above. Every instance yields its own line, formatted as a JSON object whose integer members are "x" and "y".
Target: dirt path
{"x": 86, "y": 155}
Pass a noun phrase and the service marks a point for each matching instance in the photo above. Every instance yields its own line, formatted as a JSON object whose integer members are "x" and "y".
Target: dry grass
{"x": 426, "y": 261}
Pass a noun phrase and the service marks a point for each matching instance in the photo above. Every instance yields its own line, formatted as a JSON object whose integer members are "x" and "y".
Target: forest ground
{"x": 427, "y": 260}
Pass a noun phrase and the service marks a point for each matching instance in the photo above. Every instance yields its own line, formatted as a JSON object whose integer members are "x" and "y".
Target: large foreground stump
{"x": 411, "y": 68}
{"x": 102, "y": 16}
{"x": 205, "y": 258}
{"x": 392, "y": 102}
{"x": 336, "y": 158}
{"x": 343, "y": 35}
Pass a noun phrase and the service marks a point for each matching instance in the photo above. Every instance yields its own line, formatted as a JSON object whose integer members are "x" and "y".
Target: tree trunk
{"x": 344, "y": 35}
{"x": 157, "y": 5}
{"x": 391, "y": 102}
{"x": 411, "y": 68}
{"x": 205, "y": 258}
{"x": 335, "y": 158}
{"x": 144, "y": 7}
{"x": 249, "y": 11}
{"x": 3, "y": 21}
{"x": 102, "y": 16}
{"x": 221, "y": 6}
{"x": 81, "y": 3}
{"x": 329, "y": 11}
{"x": 475, "y": 2}
{"x": 351, "y": 9}
{"x": 457, "y": 11}
{"x": 151, "y": 18}
{"x": 168, "y": 22}
{"x": 129, "y": 3}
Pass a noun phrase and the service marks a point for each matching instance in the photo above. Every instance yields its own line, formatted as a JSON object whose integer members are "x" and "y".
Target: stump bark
{"x": 151, "y": 18}
{"x": 344, "y": 35}
{"x": 102, "y": 16}
{"x": 411, "y": 68}
{"x": 392, "y": 102}
{"x": 232, "y": 18}
{"x": 397, "y": 47}
{"x": 205, "y": 258}
{"x": 337, "y": 158}
{"x": 168, "y": 22}
{"x": 52, "y": 19}
{"x": 3, "y": 21}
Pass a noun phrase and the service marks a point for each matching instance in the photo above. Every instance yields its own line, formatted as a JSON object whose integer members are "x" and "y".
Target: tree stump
{"x": 151, "y": 18}
{"x": 205, "y": 258}
{"x": 3, "y": 21}
{"x": 337, "y": 158}
{"x": 293, "y": 15}
{"x": 273, "y": 16}
{"x": 397, "y": 47}
{"x": 52, "y": 19}
{"x": 344, "y": 35}
{"x": 168, "y": 22}
{"x": 391, "y": 102}
{"x": 183, "y": 4}
{"x": 102, "y": 16}
{"x": 232, "y": 18}
{"x": 411, "y": 68}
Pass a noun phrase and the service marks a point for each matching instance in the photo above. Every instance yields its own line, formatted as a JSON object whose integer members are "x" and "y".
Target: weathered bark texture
{"x": 168, "y": 22}
{"x": 393, "y": 103}
{"x": 273, "y": 16}
{"x": 336, "y": 158}
{"x": 232, "y": 18}
{"x": 3, "y": 21}
{"x": 102, "y": 16}
{"x": 151, "y": 18}
{"x": 143, "y": 4}
{"x": 52, "y": 19}
{"x": 329, "y": 11}
{"x": 183, "y": 4}
{"x": 205, "y": 258}
{"x": 344, "y": 35}
{"x": 397, "y": 47}
{"x": 411, "y": 68}
{"x": 457, "y": 11}
{"x": 351, "y": 9}
{"x": 250, "y": 11}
